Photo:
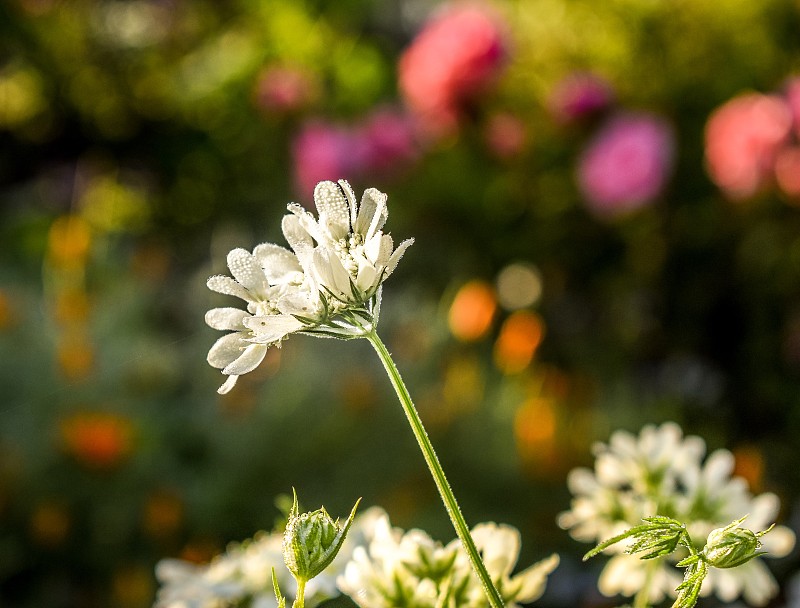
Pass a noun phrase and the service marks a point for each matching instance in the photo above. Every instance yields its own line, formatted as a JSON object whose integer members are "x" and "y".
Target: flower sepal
{"x": 312, "y": 540}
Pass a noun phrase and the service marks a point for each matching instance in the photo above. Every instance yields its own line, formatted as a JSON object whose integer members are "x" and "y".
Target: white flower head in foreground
{"x": 411, "y": 570}
{"x": 329, "y": 284}
{"x": 661, "y": 472}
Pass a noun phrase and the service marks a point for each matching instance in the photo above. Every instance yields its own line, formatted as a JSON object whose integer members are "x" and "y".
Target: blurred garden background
{"x": 605, "y": 201}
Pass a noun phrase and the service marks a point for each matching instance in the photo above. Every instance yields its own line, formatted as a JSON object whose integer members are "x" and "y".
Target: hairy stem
{"x": 448, "y": 498}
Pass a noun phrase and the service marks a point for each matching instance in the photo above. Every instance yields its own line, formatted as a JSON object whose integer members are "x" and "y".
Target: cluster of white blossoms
{"x": 328, "y": 284}
{"x": 397, "y": 569}
{"x": 378, "y": 566}
{"x": 661, "y": 472}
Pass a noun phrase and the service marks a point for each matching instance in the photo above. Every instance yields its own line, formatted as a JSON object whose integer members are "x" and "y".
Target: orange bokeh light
{"x": 519, "y": 338}
{"x": 69, "y": 241}
{"x": 97, "y": 439}
{"x": 750, "y": 465}
{"x": 472, "y": 311}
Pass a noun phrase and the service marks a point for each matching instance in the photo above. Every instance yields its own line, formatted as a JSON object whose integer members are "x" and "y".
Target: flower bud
{"x": 732, "y": 546}
{"x": 312, "y": 540}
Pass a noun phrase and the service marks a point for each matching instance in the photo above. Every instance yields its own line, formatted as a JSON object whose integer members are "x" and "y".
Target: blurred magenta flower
{"x": 281, "y": 89}
{"x": 382, "y": 144}
{"x": 457, "y": 55}
{"x": 580, "y": 95}
{"x": 322, "y": 151}
{"x": 386, "y": 141}
{"x": 627, "y": 164}
{"x": 743, "y": 138}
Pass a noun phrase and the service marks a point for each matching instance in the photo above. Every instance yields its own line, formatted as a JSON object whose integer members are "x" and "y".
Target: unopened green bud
{"x": 732, "y": 546}
{"x": 312, "y": 540}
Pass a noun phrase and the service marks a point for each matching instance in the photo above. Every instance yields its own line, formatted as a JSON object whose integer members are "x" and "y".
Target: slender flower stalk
{"x": 449, "y": 499}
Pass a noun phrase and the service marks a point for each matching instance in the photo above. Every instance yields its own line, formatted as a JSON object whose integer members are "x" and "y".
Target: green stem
{"x": 436, "y": 470}
{"x": 300, "y": 600}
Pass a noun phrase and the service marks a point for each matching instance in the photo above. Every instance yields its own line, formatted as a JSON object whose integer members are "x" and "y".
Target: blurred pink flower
{"x": 505, "y": 135}
{"x": 787, "y": 171}
{"x": 793, "y": 99}
{"x": 743, "y": 137}
{"x": 281, "y": 89}
{"x": 386, "y": 141}
{"x": 580, "y": 95}
{"x": 382, "y": 144}
{"x": 457, "y": 55}
{"x": 322, "y": 151}
{"x": 627, "y": 163}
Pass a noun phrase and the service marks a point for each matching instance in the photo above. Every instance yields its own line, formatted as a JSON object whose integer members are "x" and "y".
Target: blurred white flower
{"x": 244, "y": 573}
{"x": 661, "y": 472}
{"x": 396, "y": 569}
{"x": 499, "y": 546}
{"x": 329, "y": 285}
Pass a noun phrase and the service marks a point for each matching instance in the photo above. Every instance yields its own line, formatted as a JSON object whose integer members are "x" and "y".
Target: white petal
{"x": 373, "y": 248}
{"x": 226, "y": 350}
{"x": 333, "y": 208}
{"x": 331, "y": 273}
{"x": 351, "y": 200}
{"x": 718, "y": 468}
{"x": 279, "y": 263}
{"x": 532, "y": 580}
{"x": 372, "y": 213}
{"x": 499, "y": 547}
{"x": 271, "y": 328}
{"x": 298, "y": 237}
{"x": 763, "y": 510}
{"x": 247, "y": 271}
{"x": 229, "y": 287}
{"x": 779, "y": 541}
{"x": 367, "y": 275}
{"x": 250, "y": 359}
{"x": 300, "y": 303}
{"x": 226, "y": 318}
{"x": 227, "y": 385}
{"x": 398, "y": 253}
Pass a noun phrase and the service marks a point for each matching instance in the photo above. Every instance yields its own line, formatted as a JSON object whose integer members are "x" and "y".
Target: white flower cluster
{"x": 328, "y": 284}
{"x": 661, "y": 472}
{"x": 411, "y": 570}
{"x": 242, "y": 576}
{"x": 378, "y": 566}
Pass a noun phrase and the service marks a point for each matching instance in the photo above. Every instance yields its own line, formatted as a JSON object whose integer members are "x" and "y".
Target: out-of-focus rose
{"x": 322, "y": 151}
{"x": 627, "y": 164}
{"x": 282, "y": 89}
{"x": 743, "y": 137}
{"x": 580, "y": 95}
{"x": 456, "y": 56}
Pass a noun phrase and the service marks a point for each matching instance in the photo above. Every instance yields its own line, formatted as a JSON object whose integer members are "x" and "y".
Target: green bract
{"x": 312, "y": 540}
